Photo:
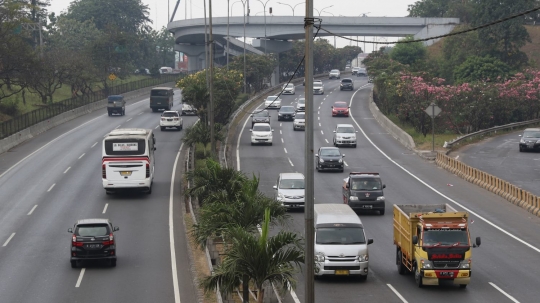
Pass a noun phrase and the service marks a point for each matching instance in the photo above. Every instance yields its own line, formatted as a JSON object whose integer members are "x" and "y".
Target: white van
{"x": 341, "y": 247}
{"x": 165, "y": 70}
{"x": 128, "y": 160}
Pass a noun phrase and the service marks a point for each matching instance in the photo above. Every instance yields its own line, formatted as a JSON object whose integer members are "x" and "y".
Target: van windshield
{"x": 340, "y": 235}
{"x": 125, "y": 147}
{"x": 159, "y": 93}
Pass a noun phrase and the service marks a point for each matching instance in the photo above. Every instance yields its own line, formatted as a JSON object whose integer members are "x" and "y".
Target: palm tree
{"x": 262, "y": 259}
{"x": 200, "y": 133}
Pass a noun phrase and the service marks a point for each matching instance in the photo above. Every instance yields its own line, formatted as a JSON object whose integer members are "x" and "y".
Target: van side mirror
{"x": 520, "y": 135}
{"x": 369, "y": 241}
{"x": 155, "y": 148}
{"x": 343, "y": 155}
{"x": 274, "y": 187}
{"x": 334, "y": 131}
{"x": 316, "y": 155}
{"x": 116, "y": 228}
{"x": 384, "y": 186}
{"x": 251, "y": 130}
{"x": 70, "y": 230}
{"x": 478, "y": 241}
{"x": 414, "y": 240}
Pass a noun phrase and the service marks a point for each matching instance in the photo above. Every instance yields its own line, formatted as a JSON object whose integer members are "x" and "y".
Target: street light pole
{"x": 264, "y": 5}
{"x": 292, "y": 7}
{"x": 205, "y": 46}
{"x": 211, "y": 107}
{"x": 228, "y": 11}
{"x": 245, "y": 83}
{"x": 334, "y": 36}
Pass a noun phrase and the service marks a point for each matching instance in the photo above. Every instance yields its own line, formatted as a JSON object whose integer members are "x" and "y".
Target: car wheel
{"x": 362, "y": 277}
{"x": 520, "y": 149}
{"x": 149, "y": 191}
{"x": 294, "y": 128}
{"x": 354, "y": 146}
{"x": 123, "y": 112}
{"x": 111, "y": 115}
{"x": 462, "y": 286}
{"x": 182, "y": 126}
{"x": 270, "y": 143}
{"x": 252, "y": 143}
{"x": 341, "y": 170}
{"x": 112, "y": 262}
{"x": 73, "y": 264}
{"x": 108, "y": 192}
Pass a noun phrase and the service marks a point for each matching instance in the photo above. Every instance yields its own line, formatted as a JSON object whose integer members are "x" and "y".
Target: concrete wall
{"x": 34, "y": 130}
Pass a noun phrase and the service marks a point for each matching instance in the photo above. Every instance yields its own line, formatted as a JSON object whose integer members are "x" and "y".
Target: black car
{"x": 93, "y": 239}
{"x": 364, "y": 191}
{"x": 346, "y": 83}
{"x": 530, "y": 140}
{"x": 329, "y": 158}
{"x": 286, "y": 113}
{"x": 260, "y": 117}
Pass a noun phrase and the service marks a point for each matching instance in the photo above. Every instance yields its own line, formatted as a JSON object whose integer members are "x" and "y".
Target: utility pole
{"x": 211, "y": 84}
{"x": 244, "y": 5}
{"x": 205, "y": 45}
{"x": 309, "y": 159}
{"x": 228, "y": 12}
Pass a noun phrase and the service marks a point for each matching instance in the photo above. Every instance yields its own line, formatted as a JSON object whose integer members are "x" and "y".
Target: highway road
{"x": 500, "y": 157}
{"x": 504, "y": 266}
{"x": 51, "y": 181}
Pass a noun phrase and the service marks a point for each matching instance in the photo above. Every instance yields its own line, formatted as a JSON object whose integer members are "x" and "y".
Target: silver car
{"x": 318, "y": 88}
{"x": 291, "y": 190}
{"x": 260, "y": 117}
{"x": 344, "y": 134}
{"x": 301, "y": 105}
{"x": 289, "y": 89}
{"x": 299, "y": 122}
{"x": 334, "y": 74}
{"x": 272, "y": 102}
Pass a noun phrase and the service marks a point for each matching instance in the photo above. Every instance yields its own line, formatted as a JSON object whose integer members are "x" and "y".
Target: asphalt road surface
{"x": 505, "y": 267}
{"x": 51, "y": 181}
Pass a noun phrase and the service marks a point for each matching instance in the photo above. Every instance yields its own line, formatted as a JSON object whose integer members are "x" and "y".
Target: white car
{"x": 345, "y": 134}
{"x": 299, "y": 122}
{"x": 334, "y": 74}
{"x": 318, "y": 88}
{"x": 355, "y": 70}
{"x": 187, "y": 109}
{"x": 261, "y": 133}
{"x": 171, "y": 118}
{"x": 291, "y": 190}
{"x": 289, "y": 89}
{"x": 301, "y": 105}
{"x": 272, "y": 102}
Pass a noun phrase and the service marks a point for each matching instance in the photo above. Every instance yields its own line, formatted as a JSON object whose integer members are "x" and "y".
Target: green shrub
{"x": 10, "y": 107}
{"x": 240, "y": 100}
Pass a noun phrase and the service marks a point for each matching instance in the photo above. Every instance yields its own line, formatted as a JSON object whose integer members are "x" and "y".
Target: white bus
{"x": 128, "y": 160}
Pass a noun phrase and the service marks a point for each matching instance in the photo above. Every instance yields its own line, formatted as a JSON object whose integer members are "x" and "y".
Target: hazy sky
{"x": 159, "y": 10}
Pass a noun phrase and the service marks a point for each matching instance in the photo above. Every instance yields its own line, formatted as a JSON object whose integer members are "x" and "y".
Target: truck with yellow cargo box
{"x": 433, "y": 243}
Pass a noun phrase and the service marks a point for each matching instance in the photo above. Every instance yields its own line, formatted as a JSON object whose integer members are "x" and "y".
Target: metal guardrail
{"x": 490, "y": 130}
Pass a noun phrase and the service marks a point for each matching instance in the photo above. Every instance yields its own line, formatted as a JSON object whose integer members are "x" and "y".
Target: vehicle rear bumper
{"x": 333, "y": 167}
{"x": 433, "y": 277}
{"x": 367, "y": 205}
{"x": 170, "y": 124}
{"x": 354, "y": 268}
{"x": 127, "y": 184}
{"x": 261, "y": 140}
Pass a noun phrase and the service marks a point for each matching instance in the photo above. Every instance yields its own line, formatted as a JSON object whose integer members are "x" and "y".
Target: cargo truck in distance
{"x": 433, "y": 243}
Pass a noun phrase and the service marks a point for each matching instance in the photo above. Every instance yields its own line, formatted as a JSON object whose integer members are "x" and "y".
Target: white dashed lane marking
{"x": 290, "y": 162}
{"x": 50, "y": 188}
{"x": 67, "y": 170}
{"x": 128, "y": 119}
{"x": 282, "y": 140}
{"x": 10, "y": 237}
{"x": 105, "y": 208}
{"x": 93, "y": 145}
{"x": 80, "y": 277}
{"x": 82, "y": 155}
{"x": 285, "y": 149}
{"x": 322, "y": 132}
{"x": 326, "y": 140}
{"x": 32, "y": 210}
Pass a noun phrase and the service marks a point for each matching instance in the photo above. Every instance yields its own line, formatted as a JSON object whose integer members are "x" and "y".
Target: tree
{"x": 461, "y": 9}
{"x": 476, "y": 69}
{"x": 262, "y": 259}
{"x": 408, "y": 53}
{"x": 258, "y": 68}
{"x": 49, "y": 74}
{"x": 200, "y": 133}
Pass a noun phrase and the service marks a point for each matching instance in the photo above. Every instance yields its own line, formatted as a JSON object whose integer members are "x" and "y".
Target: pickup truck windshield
{"x": 340, "y": 236}
{"x": 366, "y": 184}
{"x": 445, "y": 237}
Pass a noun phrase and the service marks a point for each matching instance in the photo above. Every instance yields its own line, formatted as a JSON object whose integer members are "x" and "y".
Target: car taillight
{"x": 147, "y": 170}
{"x": 163, "y": 119}
{"x": 175, "y": 119}
{"x": 103, "y": 171}
{"x": 74, "y": 241}
{"x": 111, "y": 240}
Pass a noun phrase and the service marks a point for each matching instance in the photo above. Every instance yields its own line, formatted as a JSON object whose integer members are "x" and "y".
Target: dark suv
{"x": 93, "y": 239}
{"x": 364, "y": 191}
{"x": 260, "y": 117}
{"x": 346, "y": 83}
{"x": 329, "y": 158}
{"x": 286, "y": 113}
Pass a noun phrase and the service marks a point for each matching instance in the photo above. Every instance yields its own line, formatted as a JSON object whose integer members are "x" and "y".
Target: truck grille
{"x": 446, "y": 264}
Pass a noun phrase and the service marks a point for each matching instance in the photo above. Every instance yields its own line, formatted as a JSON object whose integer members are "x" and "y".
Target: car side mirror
{"x": 478, "y": 241}
{"x": 384, "y": 186}
{"x": 272, "y": 130}
{"x": 251, "y": 130}
{"x": 348, "y": 106}
{"x": 414, "y": 240}
{"x": 356, "y": 131}
{"x": 116, "y": 228}
{"x": 343, "y": 155}
{"x": 155, "y": 148}
{"x": 251, "y": 115}
{"x": 334, "y": 131}
{"x": 347, "y": 185}
{"x": 316, "y": 155}
{"x": 332, "y": 106}
{"x": 274, "y": 187}
{"x": 369, "y": 241}
{"x": 70, "y": 230}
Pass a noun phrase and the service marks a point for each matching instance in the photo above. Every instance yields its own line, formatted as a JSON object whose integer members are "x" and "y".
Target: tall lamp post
{"x": 291, "y": 6}
{"x": 322, "y": 10}
{"x": 334, "y": 36}
{"x": 228, "y": 11}
{"x": 244, "y": 12}
{"x": 364, "y": 15}
{"x": 264, "y": 5}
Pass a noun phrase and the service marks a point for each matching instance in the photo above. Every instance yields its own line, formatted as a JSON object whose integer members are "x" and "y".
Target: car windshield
{"x": 271, "y": 98}
{"x": 93, "y": 230}
{"x": 290, "y": 85}
{"x": 531, "y": 134}
{"x": 261, "y": 128}
{"x": 345, "y": 130}
{"x": 340, "y": 236}
{"x": 340, "y": 104}
{"x": 330, "y": 152}
{"x": 334, "y": 71}
{"x": 287, "y": 109}
{"x": 317, "y": 84}
{"x": 291, "y": 184}
{"x": 448, "y": 237}
{"x": 301, "y": 101}
{"x": 170, "y": 114}
{"x": 300, "y": 116}
{"x": 261, "y": 114}
{"x": 346, "y": 81}
{"x": 366, "y": 184}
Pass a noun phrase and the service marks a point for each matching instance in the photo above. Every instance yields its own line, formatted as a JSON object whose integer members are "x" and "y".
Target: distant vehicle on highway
{"x": 334, "y": 74}
{"x": 288, "y": 89}
{"x": 346, "y": 83}
{"x": 354, "y": 70}
{"x": 93, "y": 239}
{"x": 530, "y": 140}
{"x": 329, "y": 158}
{"x": 344, "y": 134}
{"x": 364, "y": 191}
{"x": 299, "y": 122}
{"x": 261, "y": 133}
{"x": 318, "y": 88}
{"x": 116, "y": 105}
{"x": 161, "y": 98}
{"x": 188, "y": 109}
{"x": 301, "y": 104}
{"x": 286, "y": 113}
{"x": 262, "y": 116}
{"x": 272, "y": 102}
{"x": 362, "y": 72}
{"x": 340, "y": 108}
{"x": 166, "y": 70}
{"x": 172, "y": 119}
{"x": 370, "y": 79}
{"x": 290, "y": 190}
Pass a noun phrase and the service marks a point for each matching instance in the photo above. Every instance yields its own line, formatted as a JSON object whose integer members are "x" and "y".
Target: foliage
{"x": 258, "y": 68}
{"x": 476, "y": 69}
{"x": 408, "y": 53}
{"x": 442, "y": 9}
{"x": 200, "y": 133}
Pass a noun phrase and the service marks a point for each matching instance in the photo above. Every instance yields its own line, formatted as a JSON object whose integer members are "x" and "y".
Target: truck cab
{"x": 364, "y": 191}
{"x": 116, "y": 105}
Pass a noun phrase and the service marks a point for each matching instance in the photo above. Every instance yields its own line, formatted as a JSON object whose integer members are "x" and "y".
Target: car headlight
{"x": 353, "y": 198}
{"x": 321, "y": 160}
{"x": 280, "y": 114}
{"x": 319, "y": 257}
{"x": 340, "y": 161}
{"x": 341, "y": 85}
{"x": 465, "y": 264}
{"x": 363, "y": 258}
{"x": 521, "y": 141}
{"x": 280, "y": 196}
{"x": 381, "y": 198}
{"x": 426, "y": 264}
{"x": 338, "y": 137}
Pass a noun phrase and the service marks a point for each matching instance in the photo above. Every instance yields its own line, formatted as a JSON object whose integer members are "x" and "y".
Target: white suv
{"x": 334, "y": 74}
{"x": 261, "y": 133}
{"x": 171, "y": 118}
{"x": 345, "y": 134}
{"x": 289, "y": 89}
{"x": 291, "y": 190}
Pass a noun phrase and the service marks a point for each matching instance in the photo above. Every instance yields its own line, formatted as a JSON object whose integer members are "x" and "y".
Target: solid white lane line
{"x": 171, "y": 229}
{"x": 80, "y": 277}
{"x": 397, "y": 293}
{"x": 93, "y": 145}
{"x": 67, "y": 169}
{"x": 503, "y": 292}
{"x": 326, "y": 140}
{"x": 82, "y": 155}
{"x": 105, "y": 208}
{"x": 9, "y": 239}
{"x": 156, "y": 127}
{"x": 285, "y": 150}
{"x": 290, "y": 161}
{"x": 322, "y": 132}
{"x": 435, "y": 190}
{"x": 48, "y": 190}
{"x": 32, "y": 210}
{"x": 345, "y": 163}
{"x": 118, "y": 126}
{"x": 128, "y": 119}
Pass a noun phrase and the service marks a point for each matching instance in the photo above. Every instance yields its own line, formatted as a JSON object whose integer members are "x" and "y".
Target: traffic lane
{"x": 500, "y": 156}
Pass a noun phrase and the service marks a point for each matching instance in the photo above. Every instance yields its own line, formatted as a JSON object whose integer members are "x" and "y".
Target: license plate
{"x": 342, "y": 272}
{"x": 368, "y": 206}
{"x": 446, "y": 274}
{"x": 93, "y": 245}
{"x": 125, "y": 173}
{"x": 169, "y": 120}
{"x": 530, "y": 145}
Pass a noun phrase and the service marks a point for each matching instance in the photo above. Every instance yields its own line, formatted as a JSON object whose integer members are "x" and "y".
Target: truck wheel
{"x": 381, "y": 212}
{"x": 362, "y": 277}
{"x": 417, "y": 277}
{"x": 400, "y": 266}
{"x": 123, "y": 112}
{"x": 73, "y": 264}
{"x": 462, "y": 286}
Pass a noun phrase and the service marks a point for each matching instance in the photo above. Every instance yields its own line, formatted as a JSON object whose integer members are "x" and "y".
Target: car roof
{"x": 345, "y": 125}
{"x": 287, "y": 106}
{"x": 291, "y": 176}
{"x": 261, "y": 124}
{"x": 532, "y": 129}
{"x": 93, "y": 221}
{"x": 171, "y": 111}
{"x": 329, "y": 147}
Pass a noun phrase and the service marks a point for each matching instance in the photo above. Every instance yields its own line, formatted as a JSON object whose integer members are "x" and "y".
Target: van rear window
{"x": 159, "y": 93}
{"x": 115, "y": 98}
{"x": 125, "y": 147}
